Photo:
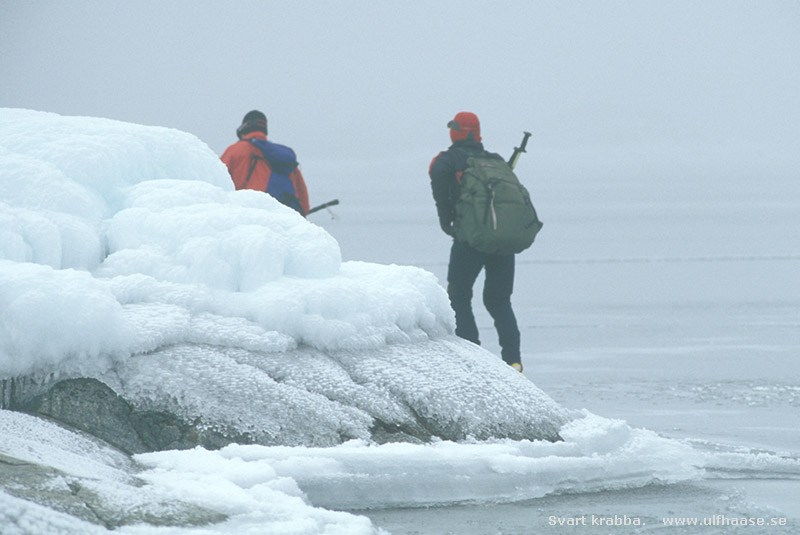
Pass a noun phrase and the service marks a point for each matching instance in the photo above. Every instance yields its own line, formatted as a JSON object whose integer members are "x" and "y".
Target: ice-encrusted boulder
{"x": 188, "y": 395}
{"x": 444, "y": 388}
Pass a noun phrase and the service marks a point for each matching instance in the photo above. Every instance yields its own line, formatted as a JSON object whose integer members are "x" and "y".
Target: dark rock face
{"x": 91, "y": 406}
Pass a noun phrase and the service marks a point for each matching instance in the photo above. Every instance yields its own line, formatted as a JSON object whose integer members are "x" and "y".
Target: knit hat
{"x": 465, "y": 126}
{"x": 254, "y": 121}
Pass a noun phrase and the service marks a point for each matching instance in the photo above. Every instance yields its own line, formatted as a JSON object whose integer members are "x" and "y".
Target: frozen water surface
{"x": 662, "y": 291}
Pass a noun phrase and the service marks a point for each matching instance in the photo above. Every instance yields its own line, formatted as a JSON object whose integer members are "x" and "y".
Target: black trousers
{"x": 465, "y": 265}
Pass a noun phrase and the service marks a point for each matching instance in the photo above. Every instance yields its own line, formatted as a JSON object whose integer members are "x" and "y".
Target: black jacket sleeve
{"x": 444, "y": 189}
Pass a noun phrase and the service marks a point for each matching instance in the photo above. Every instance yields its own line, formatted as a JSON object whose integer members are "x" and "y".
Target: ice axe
{"x": 512, "y": 162}
{"x": 322, "y": 206}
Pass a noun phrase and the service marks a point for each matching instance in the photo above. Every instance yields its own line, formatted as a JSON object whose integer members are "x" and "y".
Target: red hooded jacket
{"x": 239, "y": 157}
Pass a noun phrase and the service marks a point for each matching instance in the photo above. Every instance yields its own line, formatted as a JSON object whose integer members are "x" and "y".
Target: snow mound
{"x": 137, "y": 240}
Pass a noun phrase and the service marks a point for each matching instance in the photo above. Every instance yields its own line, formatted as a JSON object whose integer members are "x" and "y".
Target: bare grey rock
{"x": 92, "y": 406}
{"x": 78, "y": 497}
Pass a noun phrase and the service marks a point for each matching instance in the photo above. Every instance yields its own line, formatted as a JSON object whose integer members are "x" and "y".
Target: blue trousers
{"x": 465, "y": 265}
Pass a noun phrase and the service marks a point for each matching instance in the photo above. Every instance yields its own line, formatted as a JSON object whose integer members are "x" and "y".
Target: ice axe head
{"x": 524, "y": 141}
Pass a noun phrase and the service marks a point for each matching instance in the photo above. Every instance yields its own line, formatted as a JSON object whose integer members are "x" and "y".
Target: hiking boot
{"x": 517, "y": 366}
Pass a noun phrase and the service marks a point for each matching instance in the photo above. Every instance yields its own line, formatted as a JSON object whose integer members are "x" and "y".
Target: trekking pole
{"x": 512, "y": 162}
{"x": 324, "y": 205}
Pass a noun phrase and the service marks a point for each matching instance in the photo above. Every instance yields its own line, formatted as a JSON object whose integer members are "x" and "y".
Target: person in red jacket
{"x": 466, "y": 262}
{"x": 258, "y": 164}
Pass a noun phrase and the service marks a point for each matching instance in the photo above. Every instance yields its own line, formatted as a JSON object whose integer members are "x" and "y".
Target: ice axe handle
{"x": 322, "y": 206}
{"x": 512, "y": 162}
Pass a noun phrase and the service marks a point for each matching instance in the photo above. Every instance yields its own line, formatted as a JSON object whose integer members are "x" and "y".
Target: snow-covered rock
{"x": 128, "y": 257}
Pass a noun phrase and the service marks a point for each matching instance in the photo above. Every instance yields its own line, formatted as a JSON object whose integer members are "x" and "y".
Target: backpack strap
{"x": 253, "y": 162}
{"x": 286, "y": 164}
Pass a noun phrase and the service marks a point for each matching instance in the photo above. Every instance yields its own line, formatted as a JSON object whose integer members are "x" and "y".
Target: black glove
{"x": 447, "y": 227}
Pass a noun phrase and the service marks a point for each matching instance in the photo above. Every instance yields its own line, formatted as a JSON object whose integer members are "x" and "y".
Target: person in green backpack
{"x": 457, "y": 191}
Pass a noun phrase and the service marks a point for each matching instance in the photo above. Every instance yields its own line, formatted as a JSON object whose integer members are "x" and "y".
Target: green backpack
{"x": 494, "y": 212}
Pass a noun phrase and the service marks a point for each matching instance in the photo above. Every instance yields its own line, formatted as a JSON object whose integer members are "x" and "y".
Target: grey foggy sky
{"x": 375, "y": 78}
